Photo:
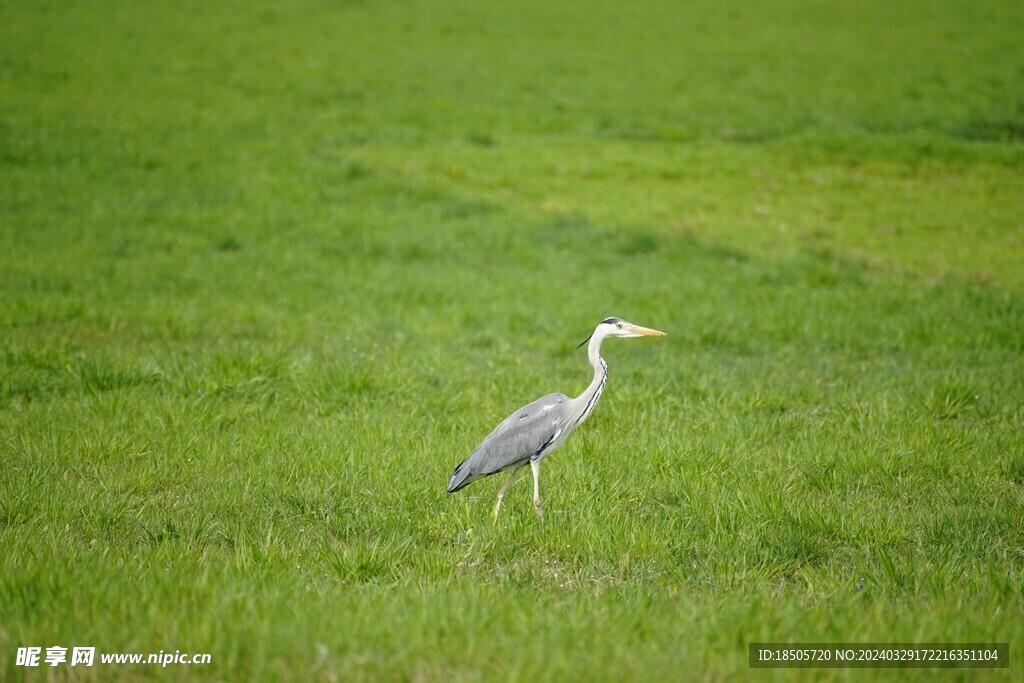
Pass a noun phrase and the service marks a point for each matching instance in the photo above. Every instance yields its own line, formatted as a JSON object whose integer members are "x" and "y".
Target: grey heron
{"x": 528, "y": 435}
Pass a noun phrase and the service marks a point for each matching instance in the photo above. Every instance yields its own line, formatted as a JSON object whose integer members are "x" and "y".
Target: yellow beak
{"x": 647, "y": 332}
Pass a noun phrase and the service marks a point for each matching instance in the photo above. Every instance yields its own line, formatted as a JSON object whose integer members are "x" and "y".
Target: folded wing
{"x": 523, "y": 434}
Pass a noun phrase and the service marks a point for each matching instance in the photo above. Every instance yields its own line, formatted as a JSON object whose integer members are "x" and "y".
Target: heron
{"x": 531, "y": 433}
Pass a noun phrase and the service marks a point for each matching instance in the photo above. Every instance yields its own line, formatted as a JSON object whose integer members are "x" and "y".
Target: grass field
{"x": 269, "y": 271}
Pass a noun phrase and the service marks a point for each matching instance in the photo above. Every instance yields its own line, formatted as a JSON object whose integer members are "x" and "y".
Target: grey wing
{"x": 521, "y": 435}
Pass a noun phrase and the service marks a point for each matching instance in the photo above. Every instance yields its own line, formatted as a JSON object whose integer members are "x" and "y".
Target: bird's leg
{"x": 535, "y": 465}
{"x": 501, "y": 494}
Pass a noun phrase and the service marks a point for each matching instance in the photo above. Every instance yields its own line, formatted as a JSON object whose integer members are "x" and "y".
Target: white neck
{"x": 585, "y": 402}
{"x": 596, "y": 362}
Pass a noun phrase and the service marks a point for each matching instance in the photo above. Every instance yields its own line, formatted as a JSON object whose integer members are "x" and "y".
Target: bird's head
{"x": 617, "y": 327}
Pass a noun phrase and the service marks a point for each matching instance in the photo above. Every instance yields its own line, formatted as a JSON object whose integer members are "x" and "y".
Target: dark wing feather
{"x": 521, "y": 435}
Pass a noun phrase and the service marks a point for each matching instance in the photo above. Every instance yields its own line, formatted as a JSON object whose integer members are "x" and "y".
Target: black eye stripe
{"x": 611, "y": 321}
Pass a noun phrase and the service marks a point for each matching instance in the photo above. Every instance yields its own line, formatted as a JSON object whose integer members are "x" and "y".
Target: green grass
{"x": 268, "y": 273}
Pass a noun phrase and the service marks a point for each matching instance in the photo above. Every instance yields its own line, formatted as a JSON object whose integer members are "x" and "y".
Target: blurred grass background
{"x": 269, "y": 272}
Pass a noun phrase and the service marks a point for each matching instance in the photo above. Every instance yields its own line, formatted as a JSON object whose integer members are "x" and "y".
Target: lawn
{"x": 269, "y": 271}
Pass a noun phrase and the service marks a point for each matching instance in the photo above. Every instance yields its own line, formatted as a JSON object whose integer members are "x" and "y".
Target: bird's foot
{"x": 497, "y": 507}
{"x": 538, "y": 508}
